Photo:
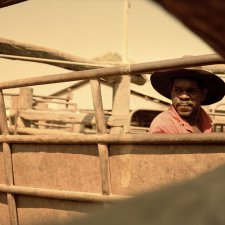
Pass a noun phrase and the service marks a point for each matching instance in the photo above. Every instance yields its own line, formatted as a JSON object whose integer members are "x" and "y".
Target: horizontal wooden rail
{"x": 198, "y": 138}
{"x": 40, "y": 53}
{"x": 68, "y": 117}
{"x": 59, "y": 194}
{"x": 38, "y": 96}
{"x": 42, "y": 60}
{"x": 48, "y": 131}
{"x": 54, "y": 102}
{"x": 216, "y": 114}
{"x": 37, "y": 131}
{"x": 116, "y": 71}
{"x": 58, "y": 116}
{"x": 51, "y": 125}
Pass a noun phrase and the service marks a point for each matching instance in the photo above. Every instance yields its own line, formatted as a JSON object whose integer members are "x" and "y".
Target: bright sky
{"x": 90, "y": 28}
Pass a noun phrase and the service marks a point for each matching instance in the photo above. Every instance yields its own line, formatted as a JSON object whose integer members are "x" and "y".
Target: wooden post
{"x": 41, "y": 106}
{"x": 101, "y": 128}
{"x": 25, "y": 102}
{"x": 68, "y": 97}
{"x": 121, "y": 105}
{"x": 14, "y": 105}
{"x": 77, "y": 128}
{"x": 26, "y": 98}
{"x": 8, "y": 163}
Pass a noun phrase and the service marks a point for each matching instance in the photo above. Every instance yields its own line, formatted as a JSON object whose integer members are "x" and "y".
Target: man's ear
{"x": 204, "y": 92}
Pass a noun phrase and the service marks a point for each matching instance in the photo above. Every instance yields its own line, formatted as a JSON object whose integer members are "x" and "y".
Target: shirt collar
{"x": 205, "y": 120}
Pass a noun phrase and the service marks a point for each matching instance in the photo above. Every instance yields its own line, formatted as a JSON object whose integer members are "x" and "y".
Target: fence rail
{"x": 116, "y": 71}
{"x": 101, "y": 144}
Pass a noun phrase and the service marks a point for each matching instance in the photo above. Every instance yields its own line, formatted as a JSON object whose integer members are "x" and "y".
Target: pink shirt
{"x": 170, "y": 122}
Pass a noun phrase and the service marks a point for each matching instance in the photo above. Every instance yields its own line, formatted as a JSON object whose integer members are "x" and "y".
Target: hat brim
{"x": 214, "y": 85}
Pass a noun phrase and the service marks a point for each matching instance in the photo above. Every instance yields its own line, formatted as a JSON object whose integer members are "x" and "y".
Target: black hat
{"x": 214, "y": 85}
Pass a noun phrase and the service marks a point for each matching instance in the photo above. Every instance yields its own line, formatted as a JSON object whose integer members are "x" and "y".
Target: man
{"x": 188, "y": 89}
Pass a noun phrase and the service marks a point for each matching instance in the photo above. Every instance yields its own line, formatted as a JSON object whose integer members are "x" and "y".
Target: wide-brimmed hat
{"x": 215, "y": 86}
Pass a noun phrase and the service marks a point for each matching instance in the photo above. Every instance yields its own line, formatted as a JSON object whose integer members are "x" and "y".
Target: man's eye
{"x": 192, "y": 91}
{"x": 177, "y": 91}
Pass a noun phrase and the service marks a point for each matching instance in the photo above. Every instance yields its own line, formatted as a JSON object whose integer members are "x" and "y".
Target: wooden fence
{"x": 45, "y": 177}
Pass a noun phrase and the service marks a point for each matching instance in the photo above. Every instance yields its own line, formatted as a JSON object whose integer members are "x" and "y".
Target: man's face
{"x": 186, "y": 97}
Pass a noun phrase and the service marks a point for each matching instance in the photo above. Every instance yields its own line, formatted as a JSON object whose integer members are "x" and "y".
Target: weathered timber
{"x": 12, "y": 47}
{"x": 51, "y": 125}
{"x": 38, "y": 97}
{"x": 8, "y": 164}
{"x": 59, "y": 194}
{"x": 37, "y": 131}
{"x": 55, "y": 102}
{"x": 116, "y": 71}
{"x": 217, "y": 69}
{"x": 49, "y": 56}
{"x": 58, "y": 116}
{"x": 103, "y": 149}
{"x": 121, "y": 105}
{"x": 25, "y": 102}
{"x": 68, "y": 117}
{"x": 203, "y": 139}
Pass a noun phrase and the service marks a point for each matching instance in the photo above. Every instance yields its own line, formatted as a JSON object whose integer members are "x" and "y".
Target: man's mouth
{"x": 184, "y": 106}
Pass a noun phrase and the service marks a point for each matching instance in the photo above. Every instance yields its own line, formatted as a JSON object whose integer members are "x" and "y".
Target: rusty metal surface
{"x": 43, "y": 210}
{"x": 133, "y": 168}
{"x": 4, "y": 212}
{"x": 137, "y": 168}
{"x": 62, "y": 167}
{"x": 2, "y": 169}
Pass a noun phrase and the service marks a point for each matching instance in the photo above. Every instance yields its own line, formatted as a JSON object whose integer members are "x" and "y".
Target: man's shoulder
{"x": 165, "y": 114}
{"x": 163, "y": 123}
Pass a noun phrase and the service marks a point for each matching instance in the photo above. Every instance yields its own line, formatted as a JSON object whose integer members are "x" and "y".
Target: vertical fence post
{"x": 121, "y": 104}
{"x": 25, "y": 102}
{"x": 8, "y": 163}
{"x": 41, "y": 106}
{"x": 13, "y": 109}
{"x": 101, "y": 128}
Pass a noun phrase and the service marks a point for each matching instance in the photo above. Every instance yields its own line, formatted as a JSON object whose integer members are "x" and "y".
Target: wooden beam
{"x": 59, "y": 194}
{"x": 58, "y": 116}
{"x": 103, "y": 149}
{"x": 116, "y": 71}
{"x": 15, "y": 50}
{"x": 8, "y": 164}
{"x": 213, "y": 138}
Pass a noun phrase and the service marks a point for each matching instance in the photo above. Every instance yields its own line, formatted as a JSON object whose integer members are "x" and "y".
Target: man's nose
{"x": 184, "y": 95}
